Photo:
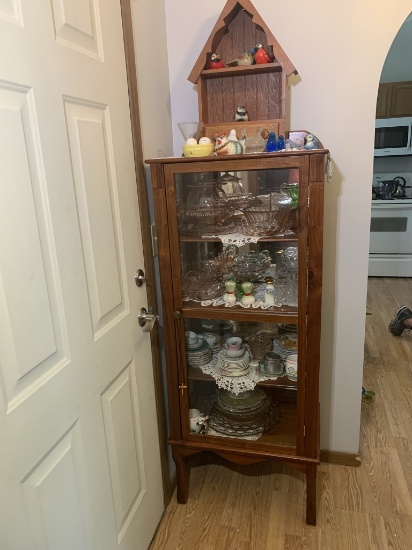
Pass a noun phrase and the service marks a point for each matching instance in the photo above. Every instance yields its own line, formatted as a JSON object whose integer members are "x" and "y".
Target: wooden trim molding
{"x": 146, "y": 236}
{"x": 344, "y": 459}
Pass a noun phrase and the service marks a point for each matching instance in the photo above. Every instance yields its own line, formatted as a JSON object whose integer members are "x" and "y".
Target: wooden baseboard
{"x": 344, "y": 459}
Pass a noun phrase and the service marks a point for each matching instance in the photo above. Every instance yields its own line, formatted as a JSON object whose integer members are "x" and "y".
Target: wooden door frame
{"x": 141, "y": 188}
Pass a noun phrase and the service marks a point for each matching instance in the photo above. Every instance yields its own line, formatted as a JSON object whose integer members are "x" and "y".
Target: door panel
{"x": 81, "y": 467}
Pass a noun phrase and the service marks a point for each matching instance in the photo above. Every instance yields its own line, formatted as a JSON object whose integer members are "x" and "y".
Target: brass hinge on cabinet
{"x": 182, "y": 387}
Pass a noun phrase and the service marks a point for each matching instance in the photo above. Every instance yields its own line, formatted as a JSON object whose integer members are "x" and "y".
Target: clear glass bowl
{"x": 250, "y": 266}
{"x": 202, "y": 286}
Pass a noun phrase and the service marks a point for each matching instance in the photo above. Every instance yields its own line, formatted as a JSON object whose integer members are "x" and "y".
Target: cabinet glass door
{"x": 239, "y": 233}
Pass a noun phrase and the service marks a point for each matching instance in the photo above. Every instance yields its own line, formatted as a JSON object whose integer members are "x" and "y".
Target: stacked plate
{"x": 229, "y": 366}
{"x": 286, "y": 344}
{"x": 198, "y": 354}
{"x": 244, "y": 416}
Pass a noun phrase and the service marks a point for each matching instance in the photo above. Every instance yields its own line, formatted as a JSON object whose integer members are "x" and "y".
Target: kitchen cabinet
{"x": 394, "y": 100}
{"x": 227, "y": 228}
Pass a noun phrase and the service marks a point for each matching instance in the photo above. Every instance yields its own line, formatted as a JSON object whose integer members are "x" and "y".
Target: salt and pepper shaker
{"x": 269, "y": 291}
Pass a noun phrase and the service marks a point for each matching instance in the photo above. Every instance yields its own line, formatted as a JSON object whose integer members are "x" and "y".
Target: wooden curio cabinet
{"x": 229, "y": 399}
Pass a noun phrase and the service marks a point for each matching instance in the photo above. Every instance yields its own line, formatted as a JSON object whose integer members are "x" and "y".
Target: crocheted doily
{"x": 234, "y": 384}
{"x": 237, "y": 239}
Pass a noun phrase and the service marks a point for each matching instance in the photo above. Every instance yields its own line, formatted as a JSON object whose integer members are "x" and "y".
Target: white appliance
{"x": 393, "y": 136}
{"x": 390, "y": 247}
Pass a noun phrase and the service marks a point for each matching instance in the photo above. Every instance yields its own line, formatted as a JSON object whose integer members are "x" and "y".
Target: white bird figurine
{"x": 311, "y": 142}
{"x": 233, "y": 135}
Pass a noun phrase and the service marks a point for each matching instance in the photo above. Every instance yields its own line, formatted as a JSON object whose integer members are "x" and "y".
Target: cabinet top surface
{"x": 285, "y": 154}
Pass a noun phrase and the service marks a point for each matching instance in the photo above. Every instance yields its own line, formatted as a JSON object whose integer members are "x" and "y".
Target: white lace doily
{"x": 258, "y": 293}
{"x": 211, "y": 431}
{"x": 234, "y": 384}
{"x": 237, "y": 239}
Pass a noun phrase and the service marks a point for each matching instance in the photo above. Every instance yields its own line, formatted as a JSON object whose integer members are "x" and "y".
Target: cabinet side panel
{"x": 159, "y": 199}
{"x": 315, "y": 240}
{"x": 302, "y": 286}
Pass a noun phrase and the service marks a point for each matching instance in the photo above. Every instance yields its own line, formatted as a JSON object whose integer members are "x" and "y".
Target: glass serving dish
{"x": 202, "y": 286}
{"x": 250, "y": 265}
{"x": 259, "y": 345}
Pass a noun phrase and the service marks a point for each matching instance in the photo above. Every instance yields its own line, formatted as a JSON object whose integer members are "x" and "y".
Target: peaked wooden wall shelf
{"x": 242, "y": 70}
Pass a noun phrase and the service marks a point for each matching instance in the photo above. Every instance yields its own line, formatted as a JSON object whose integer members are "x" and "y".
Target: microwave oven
{"x": 393, "y": 137}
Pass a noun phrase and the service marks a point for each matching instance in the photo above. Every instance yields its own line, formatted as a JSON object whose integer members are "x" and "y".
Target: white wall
{"x": 339, "y": 50}
{"x": 149, "y": 30}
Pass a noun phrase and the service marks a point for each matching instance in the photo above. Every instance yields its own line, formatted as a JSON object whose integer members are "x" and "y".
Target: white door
{"x": 79, "y": 453}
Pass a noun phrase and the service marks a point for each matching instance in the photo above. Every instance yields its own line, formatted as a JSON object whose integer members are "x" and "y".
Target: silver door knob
{"x": 139, "y": 278}
{"x": 146, "y": 320}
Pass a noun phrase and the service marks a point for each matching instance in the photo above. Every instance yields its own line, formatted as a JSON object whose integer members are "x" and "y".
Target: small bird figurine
{"x": 241, "y": 114}
{"x": 245, "y": 58}
{"x": 311, "y": 142}
{"x": 261, "y": 55}
{"x": 215, "y": 62}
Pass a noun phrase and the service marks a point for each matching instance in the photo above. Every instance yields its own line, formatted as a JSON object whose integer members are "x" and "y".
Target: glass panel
{"x": 389, "y": 224}
{"x": 242, "y": 380}
{"x": 238, "y": 237}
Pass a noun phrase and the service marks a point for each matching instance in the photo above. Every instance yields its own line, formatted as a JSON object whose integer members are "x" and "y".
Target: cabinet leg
{"x": 182, "y": 476}
{"x": 311, "y": 471}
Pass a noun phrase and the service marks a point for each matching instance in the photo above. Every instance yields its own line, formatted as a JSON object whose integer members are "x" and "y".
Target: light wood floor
{"x": 366, "y": 508}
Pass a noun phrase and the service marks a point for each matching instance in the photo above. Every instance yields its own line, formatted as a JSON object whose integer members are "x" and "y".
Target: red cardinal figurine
{"x": 215, "y": 62}
{"x": 261, "y": 55}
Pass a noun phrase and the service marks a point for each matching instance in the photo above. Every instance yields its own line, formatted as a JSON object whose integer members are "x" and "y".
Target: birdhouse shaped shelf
{"x": 252, "y": 71}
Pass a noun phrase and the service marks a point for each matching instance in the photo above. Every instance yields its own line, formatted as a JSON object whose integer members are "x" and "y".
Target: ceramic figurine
{"x": 215, "y": 62}
{"x": 205, "y": 141}
{"x": 233, "y": 135}
{"x": 311, "y": 142}
{"x": 271, "y": 144}
{"x": 261, "y": 55}
{"x": 245, "y": 58}
{"x": 247, "y": 297}
{"x": 290, "y": 144}
{"x": 224, "y": 146}
{"x": 241, "y": 114}
{"x": 229, "y": 296}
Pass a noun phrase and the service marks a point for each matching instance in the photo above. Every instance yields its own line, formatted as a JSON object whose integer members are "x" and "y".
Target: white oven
{"x": 390, "y": 248}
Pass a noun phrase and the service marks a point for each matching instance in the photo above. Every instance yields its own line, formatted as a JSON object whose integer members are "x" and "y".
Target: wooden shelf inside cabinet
{"x": 242, "y": 70}
{"x": 286, "y": 314}
{"x": 281, "y": 382}
{"x": 275, "y": 239}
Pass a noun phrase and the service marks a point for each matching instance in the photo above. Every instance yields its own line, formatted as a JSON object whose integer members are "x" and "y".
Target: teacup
{"x": 191, "y": 337}
{"x": 273, "y": 363}
{"x": 234, "y": 352}
{"x": 291, "y": 366}
{"x": 211, "y": 338}
{"x": 234, "y": 342}
{"x": 196, "y": 420}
